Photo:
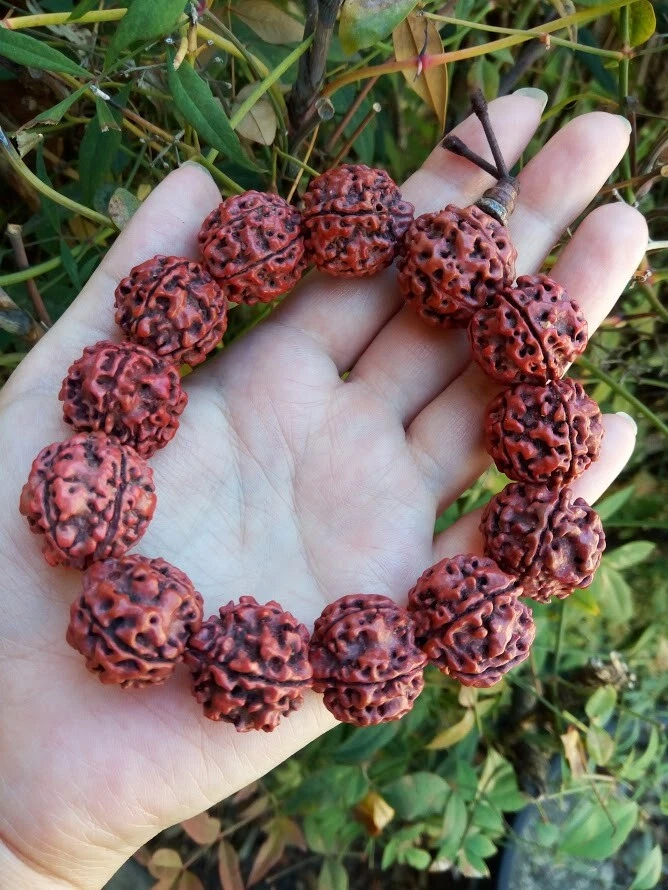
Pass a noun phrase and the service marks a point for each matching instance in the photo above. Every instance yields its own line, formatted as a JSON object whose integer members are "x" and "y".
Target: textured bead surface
{"x": 547, "y": 536}
{"x": 91, "y": 497}
{"x": 133, "y": 619}
{"x": 365, "y": 660}
{"x": 252, "y": 244}
{"x": 452, "y": 261}
{"x": 549, "y": 433}
{"x": 469, "y": 620}
{"x": 354, "y": 219}
{"x": 126, "y": 391}
{"x": 530, "y": 333}
{"x": 174, "y": 307}
{"x": 250, "y": 665}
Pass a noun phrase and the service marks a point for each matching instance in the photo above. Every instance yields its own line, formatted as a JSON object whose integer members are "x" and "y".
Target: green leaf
{"x": 70, "y": 266}
{"x": 96, "y": 155}
{"x": 333, "y": 876}
{"x": 416, "y": 858}
{"x": 105, "y": 117}
{"x": 365, "y": 22}
{"x": 547, "y": 834}
{"x": 649, "y": 872}
{"x": 614, "y": 502}
{"x": 629, "y": 554}
{"x": 196, "y": 102}
{"x": 363, "y": 743}
{"x": 336, "y": 786}
{"x": 82, "y": 8}
{"x": 634, "y": 769}
{"x": 479, "y": 845}
{"x": 144, "y": 21}
{"x": 601, "y": 704}
{"x": 25, "y": 50}
{"x": 416, "y": 795}
{"x": 54, "y": 115}
{"x": 613, "y": 593}
{"x": 590, "y": 834}
{"x": 600, "y": 745}
{"x": 642, "y": 22}
{"x": 51, "y": 211}
{"x": 454, "y": 826}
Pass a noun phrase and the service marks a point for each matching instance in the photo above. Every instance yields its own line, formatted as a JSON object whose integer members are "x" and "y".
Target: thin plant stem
{"x": 495, "y": 29}
{"x": 457, "y": 147}
{"x": 26, "y": 173}
{"x": 288, "y": 157}
{"x": 621, "y": 390}
{"x": 348, "y": 116}
{"x": 577, "y": 18}
{"x": 49, "y": 265}
{"x": 310, "y": 148}
{"x": 15, "y": 235}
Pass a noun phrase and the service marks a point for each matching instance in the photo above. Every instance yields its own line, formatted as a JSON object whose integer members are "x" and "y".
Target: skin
{"x": 284, "y": 482}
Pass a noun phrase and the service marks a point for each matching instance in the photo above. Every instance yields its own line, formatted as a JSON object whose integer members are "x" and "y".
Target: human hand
{"x": 283, "y": 482}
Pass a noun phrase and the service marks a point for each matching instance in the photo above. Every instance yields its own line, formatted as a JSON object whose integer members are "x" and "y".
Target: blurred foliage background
{"x": 97, "y": 104}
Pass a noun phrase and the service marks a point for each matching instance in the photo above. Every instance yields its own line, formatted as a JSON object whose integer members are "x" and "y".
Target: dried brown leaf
{"x": 203, "y": 829}
{"x": 259, "y": 125}
{"x": 269, "y": 854}
{"x": 575, "y": 752}
{"x": 228, "y": 867}
{"x": 430, "y": 84}
{"x": 374, "y": 812}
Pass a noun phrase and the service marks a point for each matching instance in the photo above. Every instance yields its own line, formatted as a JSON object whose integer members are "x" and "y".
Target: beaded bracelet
{"x": 92, "y": 496}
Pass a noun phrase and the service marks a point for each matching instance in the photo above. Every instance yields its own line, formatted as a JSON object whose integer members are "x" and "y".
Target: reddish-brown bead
{"x": 91, "y": 497}
{"x": 529, "y": 333}
{"x": 365, "y": 660}
{"x": 133, "y": 619}
{"x": 250, "y": 665}
{"x": 547, "y": 536}
{"x": 126, "y": 391}
{"x": 252, "y": 244}
{"x": 549, "y": 433}
{"x": 470, "y": 621}
{"x": 174, "y": 307}
{"x": 354, "y": 220}
{"x": 451, "y": 262}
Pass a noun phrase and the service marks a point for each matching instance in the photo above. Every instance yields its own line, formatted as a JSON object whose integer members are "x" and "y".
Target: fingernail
{"x": 626, "y": 121}
{"x": 630, "y": 420}
{"x": 533, "y": 93}
{"x": 201, "y": 167}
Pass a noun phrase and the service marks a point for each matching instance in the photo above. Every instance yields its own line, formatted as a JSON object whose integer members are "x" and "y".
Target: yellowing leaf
{"x": 269, "y": 21}
{"x": 430, "y": 84}
{"x": 259, "y": 125}
{"x": 642, "y": 22}
{"x": 365, "y": 22}
{"x": 26, "y": 140}
{"x": 122, "y": 206}
{"x": 453, "y": 734}
{"x": 574, "y": 751}
{"x": 165, "y": 863}
{"x": 374, "y": 812}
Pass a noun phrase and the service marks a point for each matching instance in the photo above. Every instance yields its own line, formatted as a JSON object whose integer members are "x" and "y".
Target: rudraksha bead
{"x": 549, "y": 433}
{"x": 91, "y": 497}
{"x": 529, "y": 333}
{"x": 174, "y": 307}
{"x": 252, "y": 244}
{"x": 126, "y": 391}
{"x": 133, "y": 619}
{"x": 365, "y": 660}
{"x": 451, "y": 262}
{"x": 250, "y": 665}
{"x": 547, "y": 536}
{"x": 469, "y": 620}
{"x": 354, "y": 219}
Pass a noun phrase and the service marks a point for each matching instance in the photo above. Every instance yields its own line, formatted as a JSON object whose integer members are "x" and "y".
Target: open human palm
{"x": 285, "y": 482}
